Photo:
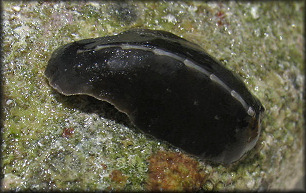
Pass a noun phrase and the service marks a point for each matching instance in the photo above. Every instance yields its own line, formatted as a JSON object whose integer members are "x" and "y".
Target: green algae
{"x": 262, "y": 42}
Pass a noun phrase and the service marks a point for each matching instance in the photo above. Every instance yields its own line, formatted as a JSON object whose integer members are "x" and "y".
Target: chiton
{"x": 169, "y": 87}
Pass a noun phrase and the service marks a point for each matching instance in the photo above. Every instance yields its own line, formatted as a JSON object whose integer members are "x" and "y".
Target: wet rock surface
{"x": 53, "y": 142}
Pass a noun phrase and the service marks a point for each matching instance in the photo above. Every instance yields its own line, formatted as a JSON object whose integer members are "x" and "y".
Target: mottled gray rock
{"x": 53, "y": 142}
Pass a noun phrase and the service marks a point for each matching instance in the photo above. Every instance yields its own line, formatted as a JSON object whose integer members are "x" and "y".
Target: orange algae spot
{"x": 172, "y": 171}
{"x": 68, "y": 132}
{"x": 221, "y": 17}
{"x": 118, "y": 180}
{"x": 104, "y": 166}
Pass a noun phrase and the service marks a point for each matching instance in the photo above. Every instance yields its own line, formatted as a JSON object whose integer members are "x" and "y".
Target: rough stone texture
{"x": 53, "y": 142}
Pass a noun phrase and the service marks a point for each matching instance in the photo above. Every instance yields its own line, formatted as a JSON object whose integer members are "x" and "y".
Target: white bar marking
{"x": 239, "y": 98}
{"x": 191, "y": 64}
{"x": 165, "y": 53}
{"x": 186, "y": 61}
{"x": 220, "y": 82}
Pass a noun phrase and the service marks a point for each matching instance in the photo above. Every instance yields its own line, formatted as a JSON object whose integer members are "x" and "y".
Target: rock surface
{"x": 53, "y": 142}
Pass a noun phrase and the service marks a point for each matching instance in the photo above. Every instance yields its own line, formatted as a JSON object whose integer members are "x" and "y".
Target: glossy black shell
{"x": 169, "y": 88}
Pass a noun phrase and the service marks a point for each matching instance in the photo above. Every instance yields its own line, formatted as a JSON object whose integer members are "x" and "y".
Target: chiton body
{"x": 169, "y": 87}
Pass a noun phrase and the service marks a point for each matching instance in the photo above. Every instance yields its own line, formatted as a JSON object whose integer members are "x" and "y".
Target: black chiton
{"x": 169, "y": 88}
